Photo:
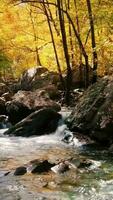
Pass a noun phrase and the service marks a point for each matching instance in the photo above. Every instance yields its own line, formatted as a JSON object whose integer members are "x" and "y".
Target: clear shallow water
{"x": 94, "y": 183}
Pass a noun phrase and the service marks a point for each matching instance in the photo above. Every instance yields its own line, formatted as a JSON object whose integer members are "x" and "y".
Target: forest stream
{"x": 87, "y": 182}
{"x": 56, "y": 100}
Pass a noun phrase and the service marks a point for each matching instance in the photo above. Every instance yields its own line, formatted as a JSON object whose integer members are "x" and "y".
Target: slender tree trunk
{"x": 87, "y": 36}
{"x": 54, "y": 46}
{"x": 52, "y": 20}
{"x": 38, "y": 62}
{"x": 60, "y": 11}
{"x": 80, "y": 58}
{"x": 78, "y": 28}
{"x": 65, "y": 47}
{"x": 37, "y": 57}
{"x": 83, "y": 51}
{"x": 95, "y": 62}
{"x": 70, "y": 35}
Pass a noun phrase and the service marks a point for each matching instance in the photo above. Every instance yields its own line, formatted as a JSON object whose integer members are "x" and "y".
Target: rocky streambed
{"x": 90, "y": 175}
{"x": 42, "y": 158}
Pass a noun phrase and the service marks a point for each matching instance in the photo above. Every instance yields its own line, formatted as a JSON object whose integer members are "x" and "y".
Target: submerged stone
{"x": 60, "y": 168}
{"x": 42, "y": 167}
{"x": 20, "y": 171}
{"x": 25, "y": 102}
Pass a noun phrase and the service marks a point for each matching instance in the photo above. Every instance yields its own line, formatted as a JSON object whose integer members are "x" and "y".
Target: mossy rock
{"x": 93, "y": 115}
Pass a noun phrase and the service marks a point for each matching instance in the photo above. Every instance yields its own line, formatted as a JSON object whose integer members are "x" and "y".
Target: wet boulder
{"x": 17, "y": 111}
{"x": 34, "y": 167}
{"x": 7, "y": 96}
{"x": 25, "y": 102}
{"x": 66, "y": 167}
{"x": 20, "y": 171}
{"x": 79, "y": 75}
{"x": 37, "y": 77}
{"x": 52, "y": 77}
{"x": 35, "y": 100}
{"x": 52, "y": 91}
{"x": 40, "y": 122}
{"x": 2, "y": 106}
{"x": 93, "y": 115}
{"x": 3, "y": 88}
{"x": 39, "y": 167}
{"x": 61, "y": 167}
{"x": 29, "y": 77}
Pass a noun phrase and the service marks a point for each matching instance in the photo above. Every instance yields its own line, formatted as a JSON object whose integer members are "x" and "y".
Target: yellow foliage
{"x": 23, "y": 28}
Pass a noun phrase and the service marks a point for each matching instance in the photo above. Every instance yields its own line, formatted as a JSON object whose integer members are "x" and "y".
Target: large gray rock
{"x": 25, "y": 102}
{"x": 37, "y": 77}
{"x": 40, "y": 122}
{"x": 93, "y": 115}
{"x": 78, "y": 76}
{"x": 35, "y": 100}
{"x": 52, "y": 91}
{"x": 17, "y": 111}
{"x": 29, "y": 78}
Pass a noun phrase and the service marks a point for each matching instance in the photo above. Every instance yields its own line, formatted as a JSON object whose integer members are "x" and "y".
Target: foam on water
{"x": 22, "y": 146}
{"x": 20, "y": 150}
{"x": 2, "y": 131}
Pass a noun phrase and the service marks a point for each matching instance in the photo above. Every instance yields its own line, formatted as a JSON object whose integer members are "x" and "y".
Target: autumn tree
{"x": 65, "y": 47}
{"x": 5, "y": 66}
{"x": 88, "y": 31}
{"x": 46, "y": 9}
{"x": 38, "y": 62}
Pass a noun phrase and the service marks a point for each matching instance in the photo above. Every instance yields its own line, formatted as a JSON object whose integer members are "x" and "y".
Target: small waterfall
{"x": 4, "y": 122}
{"x": 21, "y": 145}
{"x": 64, "y": 133}
{"x": 60, "y": 145}
{"x": 2, "y": 131}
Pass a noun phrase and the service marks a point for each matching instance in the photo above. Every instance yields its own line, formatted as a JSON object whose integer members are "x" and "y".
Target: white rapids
{"x": 17, "y": 151}
{"x": 14, "y": 146}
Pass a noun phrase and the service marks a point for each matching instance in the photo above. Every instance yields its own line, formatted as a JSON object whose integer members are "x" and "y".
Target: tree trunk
{"x": 70, "y": 35}
{"x": 83, "y": 51}
{"x": 37, "y": 57}
{"x": 65, "y": 47}
{"x": 78, "y": 28}
{"x": 54, "y": 46}
{"x": 38, "y": 62}
{"x": 52, "y": 20}
{"x": 95, "y": 62}
{"x": 61, "y": 11}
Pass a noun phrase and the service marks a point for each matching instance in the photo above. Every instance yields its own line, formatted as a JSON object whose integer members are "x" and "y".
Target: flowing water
{"x": 87, "y": 183}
